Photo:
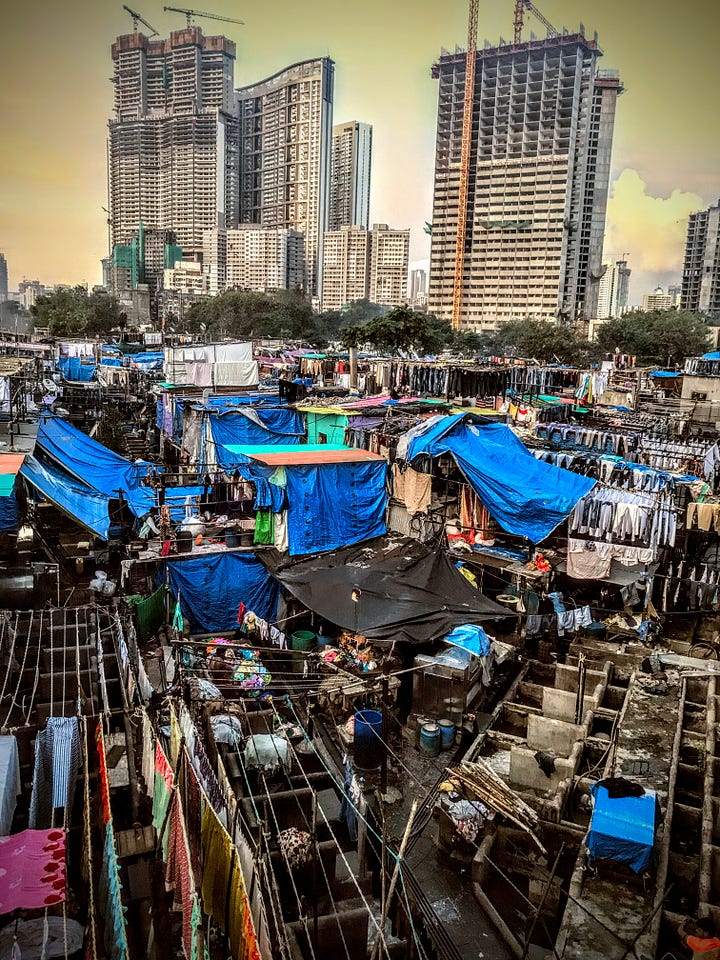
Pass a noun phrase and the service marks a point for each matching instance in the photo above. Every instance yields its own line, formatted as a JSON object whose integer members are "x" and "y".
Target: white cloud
{"x": 651, "y": 230}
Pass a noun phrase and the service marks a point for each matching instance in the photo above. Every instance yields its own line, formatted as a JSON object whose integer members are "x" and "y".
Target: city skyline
{"x": 664, "y": 167}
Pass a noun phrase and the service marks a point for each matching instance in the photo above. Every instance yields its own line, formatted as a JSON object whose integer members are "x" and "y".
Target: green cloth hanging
{"x": 150, "y": 612}
{"x": 178, "y": 622}
{"x": 264, "y": 527}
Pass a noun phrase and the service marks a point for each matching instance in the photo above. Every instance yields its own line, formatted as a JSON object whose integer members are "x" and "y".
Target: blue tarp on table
{"x": 525, "y": 496}
{"x": 623, "y": 828}
{"x": 212, "y": 587}
{"x": 78, "y": 500}
{"x": 334, "y": 505}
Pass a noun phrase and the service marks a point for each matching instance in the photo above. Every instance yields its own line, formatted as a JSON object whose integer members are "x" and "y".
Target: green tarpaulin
{"x": 150, "y": 613}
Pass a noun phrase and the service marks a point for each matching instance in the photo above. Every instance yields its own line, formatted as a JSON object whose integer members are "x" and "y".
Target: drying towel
{"x": 32, "y": 870}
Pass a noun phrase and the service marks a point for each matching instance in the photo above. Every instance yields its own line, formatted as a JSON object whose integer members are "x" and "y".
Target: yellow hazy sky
{"x": 55, "y": 99}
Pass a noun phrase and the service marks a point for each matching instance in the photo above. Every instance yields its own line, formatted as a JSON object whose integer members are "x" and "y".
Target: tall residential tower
{"x": 350, "y": 176}
{"x": 3, "y": 278}
{"x": 614, "y": 290}
{"x": 173, "y": 151}
{"x": 285, "y": 153}
{"x": 701, "y": 270}
{"x": 541, "y": 139}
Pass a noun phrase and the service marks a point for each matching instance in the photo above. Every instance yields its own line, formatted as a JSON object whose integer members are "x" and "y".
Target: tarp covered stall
{"x": 79, "y": 501}
{"x": 332, "y": 496}
{"x": 94, "y": 465}
{"x": 212, "y": 587}
{"x": 527, "y": 497}
{"x": 211, "y": 365}
{"x": 623, "y": 828}
{"x": 407, "y": 592}
{"x": 10, "y": 464}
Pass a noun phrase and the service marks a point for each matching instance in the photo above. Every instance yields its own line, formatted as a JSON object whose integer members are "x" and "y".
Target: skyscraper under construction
{"x": 538, "y": 170}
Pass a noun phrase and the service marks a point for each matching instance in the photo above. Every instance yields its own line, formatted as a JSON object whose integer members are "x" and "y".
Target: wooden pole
{"x": 380, "y": 938}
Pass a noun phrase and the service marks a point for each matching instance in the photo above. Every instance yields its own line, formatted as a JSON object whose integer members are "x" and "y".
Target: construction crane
{"x": 200, "y": 13}
{"x": 520, "y": 7}
{"x": 136, "y": 18}
{"x": 465, "y": 148}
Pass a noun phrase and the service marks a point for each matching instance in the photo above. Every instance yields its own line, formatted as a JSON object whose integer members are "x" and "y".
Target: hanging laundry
{"x": 32, "y": 870}
{"x": 58, "y": 758}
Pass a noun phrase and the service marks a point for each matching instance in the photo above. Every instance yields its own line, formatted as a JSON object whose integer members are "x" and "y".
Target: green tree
{"x": 238, "y": 313}
{"x": 75, "y": 313}
{"x": 538, "y": 340}
{"x": 400, "y": 330}
{"x": 467, "y": 343}
{"x": 656, "y": 336}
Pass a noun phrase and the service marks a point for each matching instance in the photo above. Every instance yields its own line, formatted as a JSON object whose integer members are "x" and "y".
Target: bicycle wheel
{"x": 703, "y": 651}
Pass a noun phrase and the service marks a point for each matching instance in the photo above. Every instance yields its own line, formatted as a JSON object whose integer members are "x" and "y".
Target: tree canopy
{"x": 537, "y": 340}
{"x": 77, "y": 313}
{"x": 237, "y": 313}
{"x": 400, "y": 330}
{"x": 656, "y": 336}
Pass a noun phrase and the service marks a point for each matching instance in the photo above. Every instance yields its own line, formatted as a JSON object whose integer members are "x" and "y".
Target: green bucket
{"x": 303, "y": 640}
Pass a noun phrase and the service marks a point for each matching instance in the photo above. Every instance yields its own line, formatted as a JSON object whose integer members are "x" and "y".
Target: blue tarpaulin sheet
{"x": 211, "y": 588}
{"x": 666, "y": 374}
{"x": 715, "y": 355}
{"x": 93, "y": 464}
{"x": 334, "y": 505}
{"x": 175, "y": 498}
{"x": 470, "y": 637}
{"x": 252, "y": 427}
{"x": 525, "y": 496}
{"x": 87, "y": 506}
{"x": 8, "y": 512}
{"x": 623, "y": 828}
{"x": 72, "y": 369}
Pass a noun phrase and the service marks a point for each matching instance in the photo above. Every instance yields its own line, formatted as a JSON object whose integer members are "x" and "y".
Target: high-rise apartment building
{"x": 285, "y": 153}
{"x": 3, "y": 278}
{"x": 350, "y": 175}
{"x": 418, "y": 283}
{"x": 614, "y": 290}
{"x": 701, "y": 270}
{"x": 542, "y": 129}
{"x": 388, "y": 265}
{"x": 261, "y": 259}
{"x": 29, "y": 291}
{"x": 345, "y": 267}
{"x": 365, "y": 264}
{"x": 173, "y": 140}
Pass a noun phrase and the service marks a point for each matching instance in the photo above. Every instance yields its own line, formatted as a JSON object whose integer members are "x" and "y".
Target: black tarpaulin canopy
{"x": 403, "y": 591}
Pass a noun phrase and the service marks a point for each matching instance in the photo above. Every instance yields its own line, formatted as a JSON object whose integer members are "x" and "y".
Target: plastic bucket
{"x": 420, "y": 723}
{"x": 302, "y": 640}
{"x": 430, "y": 739}
{"x": 369, "y": 745}
{"x": 447, "y": 734}
{"x": 232, "y": 538}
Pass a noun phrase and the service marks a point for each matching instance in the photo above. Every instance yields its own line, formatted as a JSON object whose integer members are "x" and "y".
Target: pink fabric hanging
{"x": 32, "y": 869}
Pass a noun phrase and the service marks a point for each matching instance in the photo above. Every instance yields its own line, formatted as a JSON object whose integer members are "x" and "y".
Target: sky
{"x": 55, "y": 100}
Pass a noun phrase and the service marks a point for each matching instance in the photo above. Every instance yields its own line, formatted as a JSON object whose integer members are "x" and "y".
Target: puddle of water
{"x": 446, "y": 910}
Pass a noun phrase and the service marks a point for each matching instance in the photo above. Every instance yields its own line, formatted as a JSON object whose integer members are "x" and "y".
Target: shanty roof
{"x": 10, "y": 464}
{"x": 307, "y": 453}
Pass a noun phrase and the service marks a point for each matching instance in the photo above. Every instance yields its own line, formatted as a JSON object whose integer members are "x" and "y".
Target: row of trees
{"x": 657, "y": 337}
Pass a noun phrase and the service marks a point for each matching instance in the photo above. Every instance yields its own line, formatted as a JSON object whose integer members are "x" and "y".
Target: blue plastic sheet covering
{"x": 175, "y": 498}
{"x": 211, "y": 588}
{"x": 111, "y": 362}
{"x": 470, "y": 637}
{"x": 623, "y": 829}
{"x": 87, "y": 506}
{"x": 252, "y": 427}
{"x": 714, "y": 355}
{"x": 72, "y": 369}
{"x": 8, "y": 512}
{"x": 334, "y": 505}
{"x": 525, "y": 496}
{"x": 93, "y": 464}
{"x": 246, "y": 400}
{"x": 665, "y": 374}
